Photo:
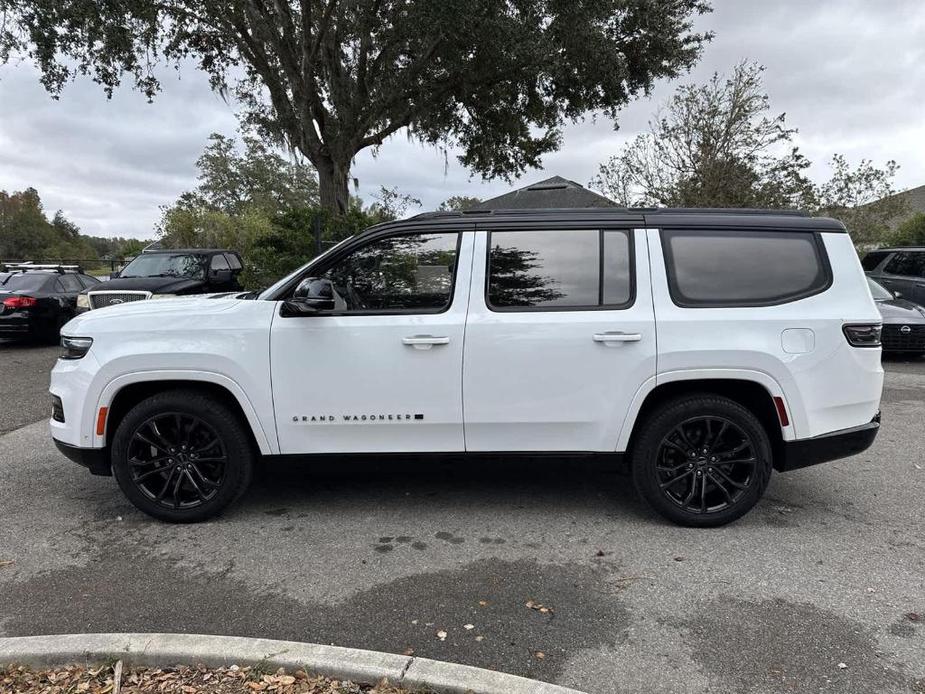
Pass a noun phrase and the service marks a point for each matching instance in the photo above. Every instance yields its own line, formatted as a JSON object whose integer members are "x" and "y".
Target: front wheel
{"x": 182, "y": 456}
{"x": 702, "y": 460}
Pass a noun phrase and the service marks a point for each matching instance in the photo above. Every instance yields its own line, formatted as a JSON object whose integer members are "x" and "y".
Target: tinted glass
{"x": 878, "y": 291}
{"x": 25, "y": 282}
{"x": 88, "y": 281}
{"x": 544, "y": 268}
{"x": 165, "y": 265}
{"x": 742, "y": 268}
{"x": 618, "y": 286}
{"x": 413, "y": 272}
{"x": 907, "y": 263}
{"x": 233, "y": 261}
{"x": 71, "y": 283}
{"x": 873, "y": 259}
{"x": 219, "y": 262}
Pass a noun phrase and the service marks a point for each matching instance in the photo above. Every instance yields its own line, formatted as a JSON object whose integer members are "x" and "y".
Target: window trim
{"x": 319, "y": 269}
{"x": 600, "y": 306}
{"x": 680, "y": 301}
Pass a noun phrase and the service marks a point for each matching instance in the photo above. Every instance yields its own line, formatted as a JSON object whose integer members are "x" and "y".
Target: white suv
{"x": 705, "y": 347}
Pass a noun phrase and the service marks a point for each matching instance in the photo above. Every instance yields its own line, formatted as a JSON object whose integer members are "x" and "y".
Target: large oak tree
{"x": 328, "y": 78}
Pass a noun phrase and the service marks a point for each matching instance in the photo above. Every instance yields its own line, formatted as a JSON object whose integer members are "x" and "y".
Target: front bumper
{"x": 832, "y": 446}
{"x": 96, "y": 460}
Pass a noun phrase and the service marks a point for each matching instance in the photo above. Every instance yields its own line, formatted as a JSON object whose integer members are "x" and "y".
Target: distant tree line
{"x": 26, "y": 233}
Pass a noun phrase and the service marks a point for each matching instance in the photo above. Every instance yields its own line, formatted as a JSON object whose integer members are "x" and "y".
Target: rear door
{"x": 905, "y": 273}
{"x": 559, "y": 338}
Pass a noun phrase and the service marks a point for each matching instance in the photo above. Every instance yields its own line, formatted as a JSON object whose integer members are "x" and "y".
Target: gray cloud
{"x": 848, "y": 73}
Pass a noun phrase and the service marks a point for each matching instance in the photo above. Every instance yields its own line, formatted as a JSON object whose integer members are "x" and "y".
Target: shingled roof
{"x": 555, "y": 192}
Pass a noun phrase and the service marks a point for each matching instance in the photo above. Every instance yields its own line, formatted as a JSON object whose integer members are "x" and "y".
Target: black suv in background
{"x": 901, "y": 270}
{"x": 165, "y": 273}
{"x": 36, "y": 300}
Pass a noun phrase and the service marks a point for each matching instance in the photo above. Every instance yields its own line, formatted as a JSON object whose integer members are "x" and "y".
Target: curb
{"x": 160, "y": 650}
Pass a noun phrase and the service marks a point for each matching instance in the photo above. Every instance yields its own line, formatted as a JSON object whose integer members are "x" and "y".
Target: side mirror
{"x": 898, "y": 295}
{"x": 114, "y": 275}
{"x": 313, "y": 295}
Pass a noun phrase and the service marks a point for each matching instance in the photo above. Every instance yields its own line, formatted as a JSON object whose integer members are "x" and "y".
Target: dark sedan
{"x": 903, "y": 321}
{"x": 34, "y": 304}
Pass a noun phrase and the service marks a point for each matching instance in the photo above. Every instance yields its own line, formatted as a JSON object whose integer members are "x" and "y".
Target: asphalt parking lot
{"x": 819, "y": 589}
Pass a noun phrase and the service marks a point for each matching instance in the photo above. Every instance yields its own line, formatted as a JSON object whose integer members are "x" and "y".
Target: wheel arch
{"x": 755, "y": 394}
{"x": 124, "y": 392}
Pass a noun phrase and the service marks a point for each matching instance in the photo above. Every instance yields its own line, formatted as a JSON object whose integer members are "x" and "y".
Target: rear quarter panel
{"x": 826, "y": 383}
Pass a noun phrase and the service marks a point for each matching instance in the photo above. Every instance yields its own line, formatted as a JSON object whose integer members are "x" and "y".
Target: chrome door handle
{"x": 617, "y": 337}
{"x": 424, "y": 341}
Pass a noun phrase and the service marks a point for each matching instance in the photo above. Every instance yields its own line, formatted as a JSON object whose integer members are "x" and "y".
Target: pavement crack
{"x": 404, "y": 670}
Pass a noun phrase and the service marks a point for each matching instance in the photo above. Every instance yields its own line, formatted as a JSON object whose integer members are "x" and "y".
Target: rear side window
{"x": 71, "y": 283}
{"x": 907, "y": 263}
{"x": 233, "y": 262}
{"x": 559, "y": 270}
{"x": 743, "y": 268}
{"x": 873, "y": 259}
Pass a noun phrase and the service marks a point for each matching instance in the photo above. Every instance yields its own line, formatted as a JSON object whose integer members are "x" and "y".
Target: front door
{"x": 381, "y": 372}
{"x": 560, "y": 337}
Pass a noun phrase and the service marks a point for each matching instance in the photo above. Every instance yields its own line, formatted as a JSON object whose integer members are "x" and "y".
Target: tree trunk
{"x": 332, "y": 187}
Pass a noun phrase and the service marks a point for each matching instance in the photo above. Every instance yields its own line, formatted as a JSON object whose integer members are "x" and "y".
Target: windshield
{"x": 878, "y": 291}
{"x": 30, "y": 282}
{"x": 166, "y": 265}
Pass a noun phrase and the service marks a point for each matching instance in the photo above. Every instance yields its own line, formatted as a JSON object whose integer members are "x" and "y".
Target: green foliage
{"x": 712, "y": 145}
{"x": 458, "y": 203}
{"x": 496, "y": 78}
{"x": 265, "y": 207}
{"x": 909, "y": 233}
{"x": 26, "y": 233}
{"x": 863, "y": 198}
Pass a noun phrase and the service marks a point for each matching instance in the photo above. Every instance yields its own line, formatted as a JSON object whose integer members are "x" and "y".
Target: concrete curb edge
{"x": 159, "y": 650}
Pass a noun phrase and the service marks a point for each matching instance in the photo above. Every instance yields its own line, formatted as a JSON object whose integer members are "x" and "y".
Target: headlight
{"x": 163, "y": 296}
{"x": 83, "y": 301}
{"x": 75, "y": 347}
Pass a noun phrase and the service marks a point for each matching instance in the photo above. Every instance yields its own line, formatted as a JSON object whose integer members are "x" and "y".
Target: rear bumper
{"x": 832, "y": 446}
{"x": 16, "y": 324}
{"x": 96, "y": 460}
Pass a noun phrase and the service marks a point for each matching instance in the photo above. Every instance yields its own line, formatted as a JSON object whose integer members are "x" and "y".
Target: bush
{"x": 909, "y": 233}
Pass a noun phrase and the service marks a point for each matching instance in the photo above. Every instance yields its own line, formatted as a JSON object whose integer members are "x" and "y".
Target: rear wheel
{"x": 182, "y": 456}
{"x": 702, "y": 460}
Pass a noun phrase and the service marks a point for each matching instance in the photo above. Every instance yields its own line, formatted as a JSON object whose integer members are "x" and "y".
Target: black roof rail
{"x": 540, "y": 211}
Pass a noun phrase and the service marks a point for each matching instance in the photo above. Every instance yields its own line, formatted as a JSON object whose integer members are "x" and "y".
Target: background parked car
{"x": 35, "y": 301}
{"x": 165, "y": 273}
{"x": 899, "y": 270}
{"x": 903, "y": 321}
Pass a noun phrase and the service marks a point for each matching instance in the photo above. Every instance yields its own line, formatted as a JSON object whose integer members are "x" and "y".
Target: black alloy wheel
{"x": 701, "y": 460}
{"x": 177, "y": 460}
{"x": 705, "y": 464}
{"x": 182, "y": 455}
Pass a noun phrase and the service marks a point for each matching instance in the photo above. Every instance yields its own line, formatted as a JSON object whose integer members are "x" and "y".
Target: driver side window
{"x": 410, "y": 272}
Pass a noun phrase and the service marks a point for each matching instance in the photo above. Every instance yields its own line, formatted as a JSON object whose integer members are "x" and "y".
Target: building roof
{"x": 915, "y": 204}
{"x": 555, "y": 192}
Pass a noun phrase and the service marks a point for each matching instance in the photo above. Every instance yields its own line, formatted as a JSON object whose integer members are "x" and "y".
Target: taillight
{"x": 20, "y": 302}
{"x": 863, "y": 335}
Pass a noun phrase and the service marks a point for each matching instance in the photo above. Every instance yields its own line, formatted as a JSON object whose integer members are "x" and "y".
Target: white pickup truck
{"x": 706, "y": 348}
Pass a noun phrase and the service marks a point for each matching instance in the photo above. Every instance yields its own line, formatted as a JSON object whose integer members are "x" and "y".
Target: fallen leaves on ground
{"x": 7, "y": 562}
{"x": 179, "y": 680}
{"x": 539, "y": 607}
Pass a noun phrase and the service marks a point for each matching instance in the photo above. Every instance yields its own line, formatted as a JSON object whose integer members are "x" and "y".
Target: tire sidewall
{"x": 228, "y": 427}
{"x": 662, "y": 421}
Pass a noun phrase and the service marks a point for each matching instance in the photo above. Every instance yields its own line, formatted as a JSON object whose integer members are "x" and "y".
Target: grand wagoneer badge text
{"x": 355, "y": 418}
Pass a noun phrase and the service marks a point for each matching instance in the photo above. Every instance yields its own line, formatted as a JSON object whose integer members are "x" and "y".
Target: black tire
{"x": 212, "y": 470}
{"x": 719, "y": 432}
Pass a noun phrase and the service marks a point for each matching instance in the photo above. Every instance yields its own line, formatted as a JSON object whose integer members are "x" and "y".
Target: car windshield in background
{"x": 878, "y": 291}
{"x": 23, "y": 282}
{"x": 166, "y": 265}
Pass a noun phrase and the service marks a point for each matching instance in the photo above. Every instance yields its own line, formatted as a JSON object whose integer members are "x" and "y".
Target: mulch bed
{"x": 113, "y": 679}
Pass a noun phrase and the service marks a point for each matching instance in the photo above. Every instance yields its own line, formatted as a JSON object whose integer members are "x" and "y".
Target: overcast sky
{"x": 850, "y": 74}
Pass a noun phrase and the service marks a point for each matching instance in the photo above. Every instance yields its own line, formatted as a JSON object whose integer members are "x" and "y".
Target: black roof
{"x": 555, "y": 192}
{"x": 203, "y": 251}
{"x": 655, "y": 217}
